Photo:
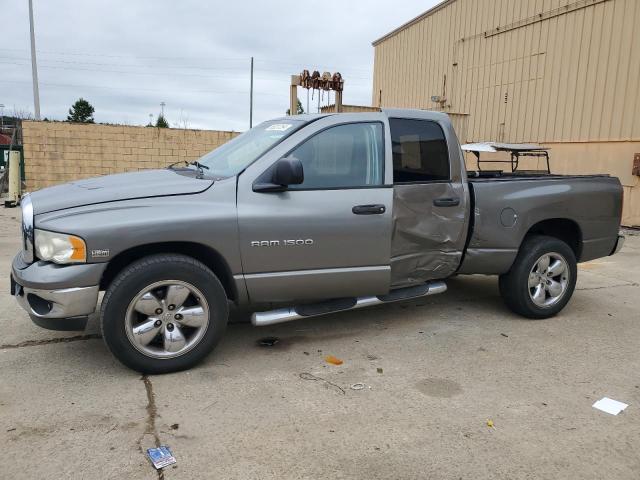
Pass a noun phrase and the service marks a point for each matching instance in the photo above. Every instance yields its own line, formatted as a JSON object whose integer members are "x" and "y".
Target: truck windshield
{"x": 234, "y": 156}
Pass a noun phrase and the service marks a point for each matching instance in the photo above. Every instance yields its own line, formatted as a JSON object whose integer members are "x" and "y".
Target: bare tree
{"x": 183, "y": 121}
{"x": 22, "y": 114}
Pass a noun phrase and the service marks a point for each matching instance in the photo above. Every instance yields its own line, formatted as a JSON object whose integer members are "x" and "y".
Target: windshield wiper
{"x": 186, "y": 163}
{"x": 195, "y": 163}
{"x": 176, "y": 163}
{"x": 200, "y": 168}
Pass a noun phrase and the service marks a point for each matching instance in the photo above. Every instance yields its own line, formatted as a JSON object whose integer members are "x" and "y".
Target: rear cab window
{"x": 420, "y": 151}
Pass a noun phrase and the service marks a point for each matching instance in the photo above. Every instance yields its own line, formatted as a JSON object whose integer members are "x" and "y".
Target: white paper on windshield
{"x": 279, "y": 127}
{"x": 609, "y": 405}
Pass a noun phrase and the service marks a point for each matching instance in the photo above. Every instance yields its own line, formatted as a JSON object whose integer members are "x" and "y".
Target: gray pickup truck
{"x": 301, "y": 216}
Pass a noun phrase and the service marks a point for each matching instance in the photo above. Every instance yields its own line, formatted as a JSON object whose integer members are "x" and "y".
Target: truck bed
{"x": 490, "y": 176}
{"x": 506, "y": 207}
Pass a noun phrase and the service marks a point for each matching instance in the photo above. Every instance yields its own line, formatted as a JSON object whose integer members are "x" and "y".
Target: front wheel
{"x": 542, "y": 279}
{"x": 163, "y": 313}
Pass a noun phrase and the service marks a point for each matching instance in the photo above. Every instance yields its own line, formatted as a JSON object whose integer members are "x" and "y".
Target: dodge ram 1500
{"x": 297, "y": 217}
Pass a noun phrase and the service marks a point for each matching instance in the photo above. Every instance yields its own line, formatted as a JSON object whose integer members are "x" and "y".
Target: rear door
{"x": 430, "y": 200}
{"x": 329, "y": 237}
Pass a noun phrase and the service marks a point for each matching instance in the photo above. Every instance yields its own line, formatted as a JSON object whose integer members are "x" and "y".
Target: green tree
{"x": 162, "y": 122}
{"x": 299, "y": 109}
{"x": 81, "y": 112}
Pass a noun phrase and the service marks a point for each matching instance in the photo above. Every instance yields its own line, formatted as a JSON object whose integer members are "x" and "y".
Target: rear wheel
{"x": 542, "y": 279}
{"x": 163, "y": 313}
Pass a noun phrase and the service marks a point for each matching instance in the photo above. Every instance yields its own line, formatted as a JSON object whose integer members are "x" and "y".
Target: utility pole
{"x": 251, "y": 97}
{"x": 162, "y": 104}
{"x": 34, "y": 67}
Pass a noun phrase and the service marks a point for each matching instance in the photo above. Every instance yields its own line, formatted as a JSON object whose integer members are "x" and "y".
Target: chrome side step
{"x": 288, "y": 314}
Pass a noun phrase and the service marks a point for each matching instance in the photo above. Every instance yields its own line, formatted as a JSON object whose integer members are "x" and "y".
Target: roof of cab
{"x": 408, "y": 113}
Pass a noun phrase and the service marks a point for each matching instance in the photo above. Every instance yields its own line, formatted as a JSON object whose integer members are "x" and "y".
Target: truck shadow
{"x": 480, "y": 290}
{"x": 468, "y": 299}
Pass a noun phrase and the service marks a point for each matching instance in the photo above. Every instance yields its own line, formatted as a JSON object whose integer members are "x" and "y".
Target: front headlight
{"x": 60, "y": 247}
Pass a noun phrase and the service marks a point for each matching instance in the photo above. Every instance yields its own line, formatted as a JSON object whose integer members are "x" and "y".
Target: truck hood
{"x": 123, "y": 186}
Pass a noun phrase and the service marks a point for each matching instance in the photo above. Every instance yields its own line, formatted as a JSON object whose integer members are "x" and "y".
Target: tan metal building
{"x": 563, "y": 73}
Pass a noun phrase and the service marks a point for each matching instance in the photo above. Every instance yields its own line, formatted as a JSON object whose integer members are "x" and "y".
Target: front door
{"x": 430, "y": 210}
{"x": 330, "y": 236}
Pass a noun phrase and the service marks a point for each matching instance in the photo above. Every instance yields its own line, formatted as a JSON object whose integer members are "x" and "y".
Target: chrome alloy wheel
{"x": 167, "y": 319}
{"x": 548, "y": 279}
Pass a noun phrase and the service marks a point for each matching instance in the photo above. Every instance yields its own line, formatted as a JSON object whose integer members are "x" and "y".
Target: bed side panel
{"x": 505, "y": 210}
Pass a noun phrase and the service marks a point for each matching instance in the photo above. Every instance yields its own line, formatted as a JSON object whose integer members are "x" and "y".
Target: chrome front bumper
{"x": 62, "y": 303}
{"x": 55, "y": 297}
{"x": 48, "y": 291}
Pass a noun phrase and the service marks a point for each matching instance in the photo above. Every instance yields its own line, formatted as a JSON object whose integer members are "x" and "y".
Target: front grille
{"x": 27, "y": 229}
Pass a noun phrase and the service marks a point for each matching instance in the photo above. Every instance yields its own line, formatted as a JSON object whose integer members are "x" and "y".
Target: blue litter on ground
{"x": 161, "y": 457}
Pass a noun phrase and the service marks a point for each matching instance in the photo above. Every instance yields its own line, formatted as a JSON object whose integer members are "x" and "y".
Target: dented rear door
{"x": 430, "y": 199}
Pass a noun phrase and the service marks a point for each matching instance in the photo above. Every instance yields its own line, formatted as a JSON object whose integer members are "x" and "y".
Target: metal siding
{"x": 571, "y": 77}
{"x": 614, "y": 53}
{"x": 631, "y": 125}
{"x": 620, "y": 93}
{"x": 538, "y": 74}
{"x": 602, "y": 62}
{"x": 581, "y": 72}
{"x": 594, "y": 73}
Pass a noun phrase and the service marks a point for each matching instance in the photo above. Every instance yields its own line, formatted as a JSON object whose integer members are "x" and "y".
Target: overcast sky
{"x": 126, "y": 57}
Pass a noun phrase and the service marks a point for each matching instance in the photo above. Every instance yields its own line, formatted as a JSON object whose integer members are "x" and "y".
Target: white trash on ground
{"x": 609, "y": 405}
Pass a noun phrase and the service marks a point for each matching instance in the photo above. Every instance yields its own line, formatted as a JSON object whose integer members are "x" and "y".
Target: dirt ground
{"x": 434, "y": 372}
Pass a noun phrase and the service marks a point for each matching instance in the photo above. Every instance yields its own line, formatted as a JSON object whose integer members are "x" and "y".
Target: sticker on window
{"x": 279, "y": 127}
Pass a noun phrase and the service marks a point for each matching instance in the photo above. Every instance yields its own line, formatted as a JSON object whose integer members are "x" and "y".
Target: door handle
{"x": 447, "y": 202}
{"x": 377, "y": 209}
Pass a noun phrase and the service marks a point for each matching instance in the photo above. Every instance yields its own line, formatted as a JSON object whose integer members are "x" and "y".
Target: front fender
{"x": 207, "y": 218}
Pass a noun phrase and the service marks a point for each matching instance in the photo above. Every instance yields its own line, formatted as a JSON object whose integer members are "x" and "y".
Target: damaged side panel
{"x": 428, "y": 240}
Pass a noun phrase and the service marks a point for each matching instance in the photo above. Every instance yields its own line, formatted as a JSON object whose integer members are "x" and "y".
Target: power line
{"x": 136, "y": 65}
{"x": 78, "y": 54}
{"x": 8, "y": 61}
{"x": 319, "y": 66}
{"x": 288, "y": 62}
{"x": 170, "y": 91}
{"x": 148, "y": 73}
{"x": 104, "y": 87}
{"x": 57, "y": 67}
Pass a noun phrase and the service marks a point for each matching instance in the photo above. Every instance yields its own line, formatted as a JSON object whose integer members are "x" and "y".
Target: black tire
{"x": 145, "y": 272}
{"x": 514, "y": 285}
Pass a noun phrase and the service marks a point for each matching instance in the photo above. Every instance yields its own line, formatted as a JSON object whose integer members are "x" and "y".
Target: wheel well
{"x": 202, "y": 253}
{"x": 561, "y": 228}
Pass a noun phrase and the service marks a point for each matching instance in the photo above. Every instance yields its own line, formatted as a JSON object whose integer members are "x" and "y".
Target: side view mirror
{"x": 288, "y": 171}
{"x": 285, "y": 172}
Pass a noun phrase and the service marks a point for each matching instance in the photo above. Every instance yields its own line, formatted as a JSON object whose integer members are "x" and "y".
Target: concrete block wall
{"x": 58, "y": 152}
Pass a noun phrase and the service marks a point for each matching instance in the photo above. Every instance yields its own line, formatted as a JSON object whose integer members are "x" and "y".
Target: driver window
{"x": 344, "y": 156}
